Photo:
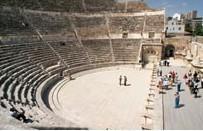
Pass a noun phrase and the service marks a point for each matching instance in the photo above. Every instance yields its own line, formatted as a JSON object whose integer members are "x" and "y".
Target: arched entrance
{"x": 169, "y": 51}
{"x": 150, "y": 55}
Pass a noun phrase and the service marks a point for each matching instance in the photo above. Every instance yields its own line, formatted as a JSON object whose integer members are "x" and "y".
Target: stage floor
{"x": 97, "y": 101}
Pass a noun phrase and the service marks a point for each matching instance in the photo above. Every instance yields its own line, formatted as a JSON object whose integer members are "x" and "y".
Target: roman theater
{"x": 61, "y": 63}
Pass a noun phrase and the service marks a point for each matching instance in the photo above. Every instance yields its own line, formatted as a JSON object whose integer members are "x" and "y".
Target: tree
{"x": 198, "y": 30}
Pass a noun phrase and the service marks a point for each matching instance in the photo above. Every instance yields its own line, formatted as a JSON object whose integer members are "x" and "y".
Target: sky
{"x": 176, "y": 6}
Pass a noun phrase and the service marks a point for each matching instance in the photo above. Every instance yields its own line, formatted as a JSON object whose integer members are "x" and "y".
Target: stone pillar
{"x": 189, "y": 55}
{"x": 196, "y": 61}
{"x": 196, "y": 51}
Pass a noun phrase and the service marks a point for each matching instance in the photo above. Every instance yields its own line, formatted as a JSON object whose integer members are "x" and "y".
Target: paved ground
{"x": 97, "y": 101}
{"x": 190, "y": 115}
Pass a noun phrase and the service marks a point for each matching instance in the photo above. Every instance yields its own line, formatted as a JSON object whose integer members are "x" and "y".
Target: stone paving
{"x": 97, "y": 101}
{"x": 190, "y": 114}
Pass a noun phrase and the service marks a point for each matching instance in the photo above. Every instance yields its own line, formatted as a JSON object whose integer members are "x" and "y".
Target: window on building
{"x": 179, "y": 28}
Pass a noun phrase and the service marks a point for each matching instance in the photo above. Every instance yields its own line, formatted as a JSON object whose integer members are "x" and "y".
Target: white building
{"x": 177, "y": 16}
{"x": 175, "y": 25}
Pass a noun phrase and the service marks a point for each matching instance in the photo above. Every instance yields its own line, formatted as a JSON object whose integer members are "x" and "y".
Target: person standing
{"x": 195, "y": 76}
{"x": 168, "y": 63}
{"x": 157, "y": 72}
{"x": 202, "y": 83}
{"x": 160, "y": 73}
{"x": 165, "y": 63}
{"x": 185, "y": 77}
{"x": 178, "y": 86}
{"x": 120, "y": 80}
{"x": 196, "y": 90}
{"x": 190, "y": 73}
{"x": 173, "y": 76}
{"x": 177, "y": 100}
{"x": 125, "y": 81}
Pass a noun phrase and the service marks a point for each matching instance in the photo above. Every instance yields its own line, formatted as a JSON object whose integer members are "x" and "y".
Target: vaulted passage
{"x": 169, "y": 51}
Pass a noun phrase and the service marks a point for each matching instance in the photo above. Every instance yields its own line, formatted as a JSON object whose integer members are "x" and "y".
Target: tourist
{"x": 160, "y": 73}
{"x": 185, "y": 78}
{"x": 160, "y": 84}
{"x": 199, "y": 76}
{"x": 173, "y": 76}
{"x": 177, "y": 100}
{"x": 2, "y": 103}
{"x": 18, "y": 115}
{"x": 157, "y": 72}
{"x": 120, "y": 80}
{"x": 190, "y": 73}
{"x": 176, "y": 77}
{"x": 61, "y": 74}
{"x": 165, "y": 83}
{"x": 195, "y": 90}
{"x": 202, "y": 83}
{"x": 165, "y": 62}
{"x": 195, "y": 76}
{"x": 125, "y": 81}
{"x": 191, "y": 85}
{"x": 168, "y": 63}
{"x": 13, "y": 112}
{"x": 160, "y": 63}
{"x": 178, "y": 86}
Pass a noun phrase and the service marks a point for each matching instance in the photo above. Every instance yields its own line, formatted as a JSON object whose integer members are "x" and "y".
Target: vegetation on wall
{"x": 198, "y": 30}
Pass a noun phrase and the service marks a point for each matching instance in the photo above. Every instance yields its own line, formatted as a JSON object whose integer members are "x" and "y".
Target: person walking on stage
{"x": 160, "y": 73}
{"x": 125, "y": 81}
{"x": 120, "y": 80}
{"x": 195, "y": 90}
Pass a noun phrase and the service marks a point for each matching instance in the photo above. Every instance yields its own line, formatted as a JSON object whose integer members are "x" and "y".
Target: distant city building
{"x": 191, "y": 20}
{"x": 190, "y": 15}
{"x": 175, "y": 25}
{"x": 198, "y": 20}
{"x": 177, "y": 16}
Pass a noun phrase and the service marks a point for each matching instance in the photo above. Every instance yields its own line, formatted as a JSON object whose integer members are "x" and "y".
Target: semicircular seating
{"x": 36, "y": 46}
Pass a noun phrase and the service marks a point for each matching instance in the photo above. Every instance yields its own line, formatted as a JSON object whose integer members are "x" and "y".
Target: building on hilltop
{"x": 175, "y": 25}
{"x": 190, "y": 15}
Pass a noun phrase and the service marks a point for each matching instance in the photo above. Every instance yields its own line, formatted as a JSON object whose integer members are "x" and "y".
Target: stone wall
{"x": 90, "y": 26}
{"x": 181, "y": 44}
{"x": 131, "y": 24}
{"x": 76, "y": 5}
{"x": 155, "y": 23}
{"x": 12, "y": 23}
{"x": 151, "y": 53}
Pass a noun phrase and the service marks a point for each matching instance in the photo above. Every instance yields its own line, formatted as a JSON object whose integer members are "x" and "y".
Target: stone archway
{"x": 169, "y": 51}
{"x": 150, "y": 55}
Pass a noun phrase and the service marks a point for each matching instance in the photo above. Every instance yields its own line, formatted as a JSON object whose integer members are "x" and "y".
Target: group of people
{"x": 171, "y": 79}
{"x": 164, "y": 63}
{"x": 194, "y": 81}
{"x": 123, "y": 80}
{"x": 16, "y": 112}
{"x": 168, "y": 80}
{"x": 19, "y": 115}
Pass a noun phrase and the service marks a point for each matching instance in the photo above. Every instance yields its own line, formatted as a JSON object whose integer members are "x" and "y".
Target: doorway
{"x": 169, "y": 51}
